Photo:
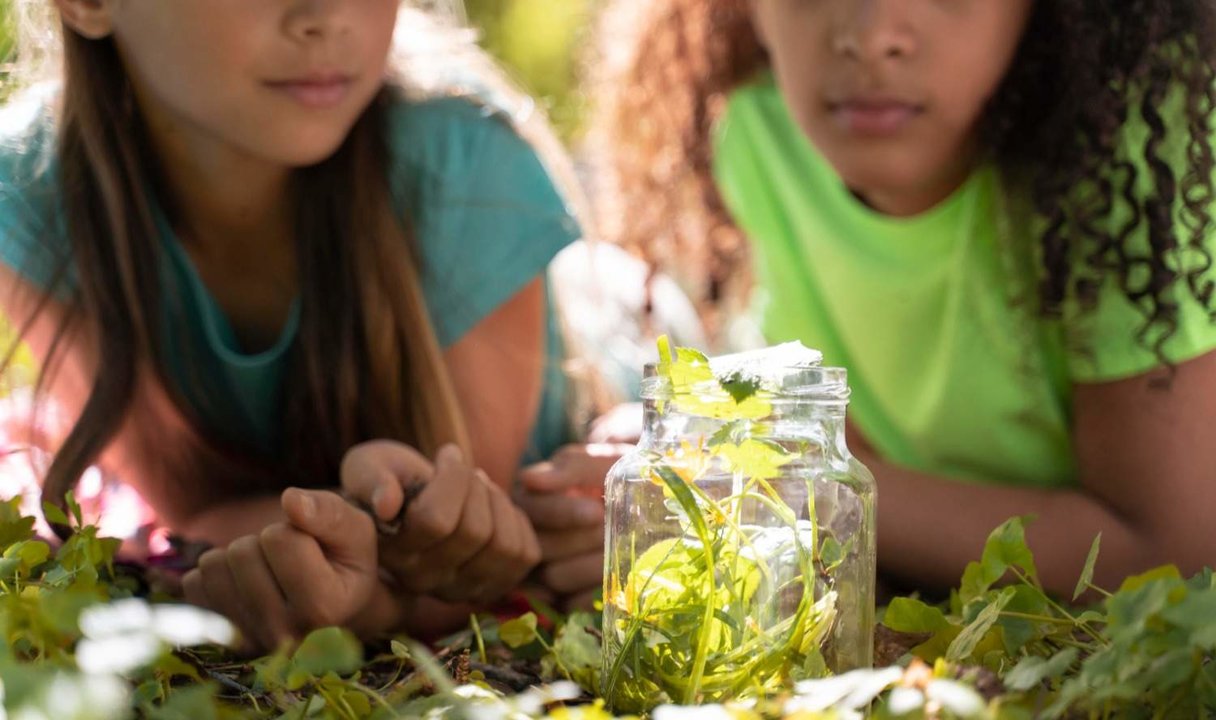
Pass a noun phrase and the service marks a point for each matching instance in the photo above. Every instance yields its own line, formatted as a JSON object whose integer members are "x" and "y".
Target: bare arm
{"x": 1147, "y": 465}
{"x": 497, "y": 372}
{"x": 154, "y": 442}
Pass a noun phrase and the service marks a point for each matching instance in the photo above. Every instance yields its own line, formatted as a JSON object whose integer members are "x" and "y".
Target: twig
{"x": 517, "y": 681}
{"x": 227, "y": 682}
{"x": 393, "y": 526}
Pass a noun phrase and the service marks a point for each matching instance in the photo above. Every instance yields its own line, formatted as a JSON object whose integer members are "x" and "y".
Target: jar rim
{"x": 795, "y": 383}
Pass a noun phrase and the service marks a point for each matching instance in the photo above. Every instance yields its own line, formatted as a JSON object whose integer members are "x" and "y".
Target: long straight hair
{"x": 368, "y": 363}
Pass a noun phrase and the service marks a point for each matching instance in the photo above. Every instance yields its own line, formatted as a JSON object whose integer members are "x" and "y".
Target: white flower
{"x": 852, "y": 690}
{"x": 186, "y": 625}
{"x": 904, "y": 700}
{"x": 116, "y": 618}
{"x": 959, "y": 699}
{"x": 474, "y": 692}
{"x": 71, "y": 697}
{"x": 117, "y": 655}
{"x": 486, "y": 712}
{"x": 697, "y": 712}
{"x": 533, "y": 701}
{"x": 127, "y": 634}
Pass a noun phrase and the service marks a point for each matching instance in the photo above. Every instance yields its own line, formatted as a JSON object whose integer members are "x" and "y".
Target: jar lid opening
{"x": 785, "y": 372}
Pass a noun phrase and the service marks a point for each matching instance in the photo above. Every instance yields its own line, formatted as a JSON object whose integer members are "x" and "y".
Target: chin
{"x": 870, "y": 172}
{"x": 307, "y": 151}
{"x": 300, "y": 143}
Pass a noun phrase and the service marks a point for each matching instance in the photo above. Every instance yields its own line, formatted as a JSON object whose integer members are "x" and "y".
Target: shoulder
{"x": 442, "y": 142}
{"x": 487, "y": 212}
{"x": 471, "y": 164}
{"x": 754, "y": 107}
{"x": 33, "y": 241}
{"x": 756, "y": 130}
{"x": 27, "y": 149}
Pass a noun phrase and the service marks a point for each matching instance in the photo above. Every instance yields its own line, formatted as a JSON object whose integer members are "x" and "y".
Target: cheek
{"x": 185, "y": 86}
{"x": 377, "y": 25}
{"x": 805, "y": 106}
{"x": 963, "y": 98}
{"x": 799, "y": 75}
{"x": 987, "y": 51}
{"x": 182, "y": 68}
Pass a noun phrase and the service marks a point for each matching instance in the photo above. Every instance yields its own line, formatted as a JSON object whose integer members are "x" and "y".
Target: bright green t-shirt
{"x": 483, "y": 210}
{"x": 952, "y": 371}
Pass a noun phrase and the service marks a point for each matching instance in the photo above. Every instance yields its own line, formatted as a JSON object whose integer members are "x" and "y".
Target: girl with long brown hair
{"x": 997, "y": 214}
{"x": 258, "y": 258}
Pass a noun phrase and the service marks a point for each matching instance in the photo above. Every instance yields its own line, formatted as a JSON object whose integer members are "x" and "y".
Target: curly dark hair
{"x": 1083, "y": 70}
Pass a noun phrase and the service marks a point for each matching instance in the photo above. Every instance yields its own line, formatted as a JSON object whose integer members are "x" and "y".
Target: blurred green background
{"x": 539, "y": 42}
{"x": 6, "y": 42}
{"x": 536, "y": 40}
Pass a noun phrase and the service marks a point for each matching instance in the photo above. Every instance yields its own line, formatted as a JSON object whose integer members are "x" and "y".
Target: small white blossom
{"x": 959, "y": 699}
{"x": 698, "y": 712}
{"x": 186, "y": 625}
{"x": 117, "y": 655}
{"x": 852, "y": 690}
{"x": 117, "y": 618}
{"x": 72, "y": 697}
{"x": 904, "y": 700}
{"x": 127, "y": 634}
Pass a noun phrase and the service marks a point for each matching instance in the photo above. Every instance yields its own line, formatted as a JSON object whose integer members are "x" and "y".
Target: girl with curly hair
{"x": 995, "y": 213}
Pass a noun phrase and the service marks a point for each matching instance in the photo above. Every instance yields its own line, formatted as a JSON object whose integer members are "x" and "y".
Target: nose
{"x": 316, "y": 19}
{"x": 874, "y": 30}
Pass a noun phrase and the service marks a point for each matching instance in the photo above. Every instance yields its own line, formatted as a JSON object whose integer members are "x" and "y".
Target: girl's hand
{"x": 315, "y": 570}
{"x": 622, "y": 424}
{"x": 564, "y": 499}
{"x": 446, "y": 529}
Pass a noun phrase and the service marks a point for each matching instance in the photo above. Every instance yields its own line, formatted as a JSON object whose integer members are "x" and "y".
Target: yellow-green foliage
{"x": 538, "y": 41}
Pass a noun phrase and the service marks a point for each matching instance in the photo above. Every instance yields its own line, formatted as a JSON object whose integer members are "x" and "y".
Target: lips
{"x": 874, "y": 116}
{"x": 315, "y": 91}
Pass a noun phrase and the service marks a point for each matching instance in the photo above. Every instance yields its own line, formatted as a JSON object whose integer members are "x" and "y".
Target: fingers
{"x": 574, "y": 467}
{"x": 559, "y": 512}
{"x": 376, "y": 474}
{"x": 565, "y": 544}
{"x": 317, "y": 569}
{"x": 324, "y": 559}
{"x": 505, "y": 562}
{"x": 212, "y": 585}
{"x": 439, "y": 565}
{"x": 255, "y": 583}
{"x": 346, "y": 533}
{"x": 462, "y": 538}
{"x": 312, "y": 589}
{"x": 621, "y": 424}
{"x": 437, "y": 512}
{"x": 575, "y": 575}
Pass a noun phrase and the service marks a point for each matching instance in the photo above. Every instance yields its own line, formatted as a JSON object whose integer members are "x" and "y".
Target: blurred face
{"x": 279, "y": 80}
{"x": 892, "y": 91}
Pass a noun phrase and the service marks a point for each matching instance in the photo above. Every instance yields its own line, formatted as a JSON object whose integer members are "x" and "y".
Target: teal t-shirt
{"x": 953, "y": 371}
{"x": 484, "y": 212}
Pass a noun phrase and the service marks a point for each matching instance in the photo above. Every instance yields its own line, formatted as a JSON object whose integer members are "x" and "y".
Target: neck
{"x": 907, "y": 203}
{"x": 918, "y": 198}
{"x": 222, "y": 195}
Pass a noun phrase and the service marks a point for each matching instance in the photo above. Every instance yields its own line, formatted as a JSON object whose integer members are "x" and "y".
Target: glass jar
{"x": 740, "y": 539}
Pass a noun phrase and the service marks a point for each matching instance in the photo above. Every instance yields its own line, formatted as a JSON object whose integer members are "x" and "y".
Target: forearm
{"x": 929, "y": 528}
